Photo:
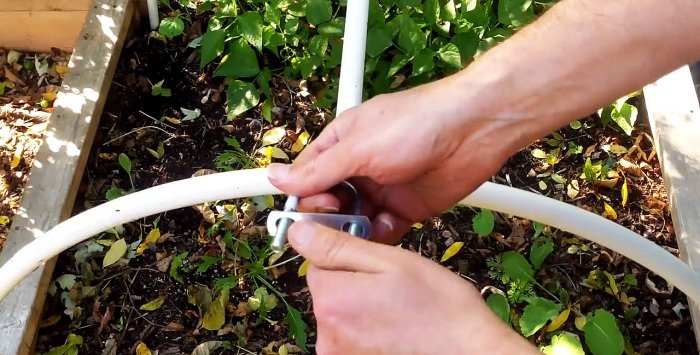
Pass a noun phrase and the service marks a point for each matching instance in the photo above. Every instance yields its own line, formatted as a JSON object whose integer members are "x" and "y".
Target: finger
{"x": 318, "y": 174}
{"x": 321, "y": 203}
{"x": 388, "y": 228}
{"x": 330, "y": 249}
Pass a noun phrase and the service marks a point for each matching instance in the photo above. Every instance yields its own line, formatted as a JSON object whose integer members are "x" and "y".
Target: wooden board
{"x": 57, "y": 171}
{"x": 44, "y": 5}
{"x": 39, "y": 31}
{"x": 674, "y": 117}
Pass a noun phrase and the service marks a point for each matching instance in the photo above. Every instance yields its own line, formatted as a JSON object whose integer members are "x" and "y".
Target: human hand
{"x": 370, "y": 298}
{"x": 412, "y": 155}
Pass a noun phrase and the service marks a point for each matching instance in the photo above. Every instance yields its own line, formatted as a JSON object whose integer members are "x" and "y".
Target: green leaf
{"x": 398, "y": 62}
{"x": 378, "y": 40}
{"x": 159, "y": 90}
{"x": 250, "y": 26}
{"x": 575, "y": 125}
{"x": 207, "y": 262}
{"x": 449, "y": 54}
{"x": 540, "y": 250}
{"x": 115, "y": 252}
{"x": 423, "y": 62}
{"x": 318, "y": 11}
{"x": 215, "y": 317}
{"x": 333, "y": 28}
{"x": 625, "y": 117}
{"x": 499, "y": 305}
{"x": 483, "y": 223}
{"x": 431, "y": 11}
{"x": 467, "y": 43}
{"x": 240, "y": 62}
{"x": 538, "y": 227}
{"x": 449, "y": 11}
{"x": 588, "y": 170}
{"x": 602, "y": 335}
{"x": 125, "y": 163}
{"x": 516, "y": 267}
{"x": 70, "y": 347}
{"x": 318, "y": 45}
{"x": 536, "y": 314}
{"x": 154, "y": 304}
{"x": 564, "y": 344}
{"x": 411, "y": 38}
{"x": 113, "y": 193}
{"x": 171, "y": 27}
{"x": 297, "y": 327}
{"x": 263, "y": 81}
{"x": 175, "y": 267}
{"x": 212, "y": 46}
{"x": 240, "y": 97}
{"x": 515, "y": 12}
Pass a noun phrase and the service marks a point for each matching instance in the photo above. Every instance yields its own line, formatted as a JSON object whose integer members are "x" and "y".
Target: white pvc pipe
{"x": 352, "y": 70}
{"x": 255, "y": 182}
{"x": 178, "y": 194}
{"x": 153, "y": 13}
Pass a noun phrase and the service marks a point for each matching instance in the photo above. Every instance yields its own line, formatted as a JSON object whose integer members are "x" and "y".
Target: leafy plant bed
{"x": 28, "y": 86}
{"x": 204, "y": 278}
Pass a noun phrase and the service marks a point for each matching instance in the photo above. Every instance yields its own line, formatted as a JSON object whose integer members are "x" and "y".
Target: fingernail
{"x": 277, "y": 171}
{"x": 386, "y": 221}
{"x": 328, "y": 209}
{"x": 300, "y": 234}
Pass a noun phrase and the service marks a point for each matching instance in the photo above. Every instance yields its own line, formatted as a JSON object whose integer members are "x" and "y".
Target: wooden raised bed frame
{"x": 97, "y": 30}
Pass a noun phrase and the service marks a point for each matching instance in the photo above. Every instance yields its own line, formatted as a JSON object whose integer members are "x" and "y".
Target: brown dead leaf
{"x": 518, "y": 237}
{"x": 630, "y": 168}
{"x": 51, "y": 320}
{"x": 242, "y": 309}
{"x": 106, "y": 318}
{"x": 608, "y": 183}
{"x": 174, "y": 327}
{"x": 164, "y": 263}
{"x": 10, "y": 75}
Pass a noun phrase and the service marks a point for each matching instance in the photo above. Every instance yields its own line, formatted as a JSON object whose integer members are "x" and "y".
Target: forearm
{"x": 579, "y": 56}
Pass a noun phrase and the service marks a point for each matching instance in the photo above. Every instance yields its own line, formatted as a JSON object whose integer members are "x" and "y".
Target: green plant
{"x": 620, "y": 112}
{"x": 409, "y": 41}
{"x": 158, "y": 90}
{"x": 234, "y": 158}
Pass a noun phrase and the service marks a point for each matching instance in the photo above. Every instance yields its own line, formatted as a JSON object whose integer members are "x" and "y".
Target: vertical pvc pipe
{"x": 153, "y": 13}
{"x": 352, "y": 69}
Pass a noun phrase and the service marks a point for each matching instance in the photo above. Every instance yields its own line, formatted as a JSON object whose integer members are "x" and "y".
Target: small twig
{"x": 282, "y": 263}
{"x": 138, "y": 129}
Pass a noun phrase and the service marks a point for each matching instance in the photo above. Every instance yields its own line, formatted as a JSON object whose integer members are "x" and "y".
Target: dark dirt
{"x": 127, "y": 126}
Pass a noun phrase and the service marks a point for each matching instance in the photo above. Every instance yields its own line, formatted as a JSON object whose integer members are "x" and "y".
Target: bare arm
{"x": 578, "y": 57}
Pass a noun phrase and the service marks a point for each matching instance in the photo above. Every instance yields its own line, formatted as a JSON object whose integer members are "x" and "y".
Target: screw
{"x": 280, "y": 238}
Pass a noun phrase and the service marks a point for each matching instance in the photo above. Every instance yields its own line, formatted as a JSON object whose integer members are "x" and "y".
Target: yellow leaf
{"x": 142, "y": 349}
{"x": 17, "y": 156}
{"x": 580, "y": 322}
{"x": 107, "y": 156}
{"x": 278, "y": 153}
{"x": 154, "y": 304}
{"x": 283, "y": 350}
{"x": 61, "y": 69}
{"x": 543, "y": 185}
{"x": 417, "y": 225}
{"x": 624, "y": 193}
{"x": 302, "y": 140}
{"x": 617, "y": 149}
{"x": 215, "y": 317}
{"x": 268, "y": 153}
{"x": 609, "y": 211}
{"x": 273, "y": 136}
{"x": 49, "y": 96}
{"x": 303, "y": 268}
{"x": 572, "y": 189}
{"x": 172, "y": 120}
{"x": 451, "y": 251}
{"x": 538, "y": 153}
{"x": 4, "y": 220}
{"x": 559, "y": 320}
{"x": 151, "y": 238}
{"x": 115, "y": 252}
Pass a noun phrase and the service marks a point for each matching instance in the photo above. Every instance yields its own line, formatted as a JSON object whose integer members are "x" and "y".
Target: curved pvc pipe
{"x": 255, "y": 182}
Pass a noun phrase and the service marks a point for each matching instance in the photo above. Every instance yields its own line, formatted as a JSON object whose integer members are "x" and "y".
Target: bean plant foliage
{"x": 409, "y": 42}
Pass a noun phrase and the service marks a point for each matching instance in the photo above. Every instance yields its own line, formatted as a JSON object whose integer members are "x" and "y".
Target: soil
{"x": 132, "y": 122}
{"x": 23, "y": 121}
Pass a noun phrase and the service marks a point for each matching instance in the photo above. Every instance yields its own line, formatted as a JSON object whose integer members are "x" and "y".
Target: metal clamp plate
{"x": 335, "y": 221}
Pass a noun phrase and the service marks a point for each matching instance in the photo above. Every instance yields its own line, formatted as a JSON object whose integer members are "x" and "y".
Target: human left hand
{"x": 371, "y": 298}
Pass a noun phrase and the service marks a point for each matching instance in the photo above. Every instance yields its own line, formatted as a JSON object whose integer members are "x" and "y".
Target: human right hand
{"x": 412, "y": 155}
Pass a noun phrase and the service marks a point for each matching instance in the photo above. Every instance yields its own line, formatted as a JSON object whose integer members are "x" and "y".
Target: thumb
{"x": 330, "y": 249}
{"x": 312, "y": 176}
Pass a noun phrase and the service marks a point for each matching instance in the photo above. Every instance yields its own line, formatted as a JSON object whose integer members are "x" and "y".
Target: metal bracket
{"x": 341, "y": 222}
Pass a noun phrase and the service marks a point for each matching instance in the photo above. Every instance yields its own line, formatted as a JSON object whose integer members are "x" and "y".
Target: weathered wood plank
{"x": 674, "y": 117}
{"x": 44, "y": 5}
{"x": 40, "y": 30}
{"x": 57, "y": 171}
